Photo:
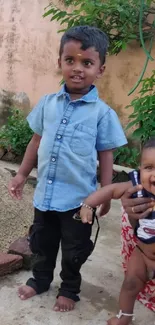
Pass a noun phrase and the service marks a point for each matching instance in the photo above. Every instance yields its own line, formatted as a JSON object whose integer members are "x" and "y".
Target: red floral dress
{"x": 147, "y": 296}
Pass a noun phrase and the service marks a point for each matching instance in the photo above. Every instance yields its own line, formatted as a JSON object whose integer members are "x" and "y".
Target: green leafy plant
{"x": 143, "y": 116}
{"x": 118, "y": 18}
{"x": 127, "y": 156}
{"x": 16, "y": 134}
{"x": 142, "y": 123}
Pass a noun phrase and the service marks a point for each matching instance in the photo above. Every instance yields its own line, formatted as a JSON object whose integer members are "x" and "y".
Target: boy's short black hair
{"x": 149, "y": 144}
{"x": 89, "y": 37}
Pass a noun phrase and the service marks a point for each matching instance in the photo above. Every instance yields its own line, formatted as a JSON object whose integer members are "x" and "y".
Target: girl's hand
{"x": 86, "y": 215}
{"x": 104, "y": 209}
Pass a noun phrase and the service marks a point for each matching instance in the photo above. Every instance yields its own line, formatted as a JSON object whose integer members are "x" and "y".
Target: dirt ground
{"x": 102, "y": 273}
{"x": 15, "y": 216}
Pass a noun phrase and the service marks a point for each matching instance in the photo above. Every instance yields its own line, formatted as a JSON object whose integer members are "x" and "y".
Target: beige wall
{"x": 28, "y": 48}
{"x": 28, "y": 56}
{"x": 121, "y": 74}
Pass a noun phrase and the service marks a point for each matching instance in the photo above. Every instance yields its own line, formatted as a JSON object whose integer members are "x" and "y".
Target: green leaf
{"x": 56, "y": 17}
{"x": 137, "y": 133}
{"x": 49, "y": 12}
{"x": 133, "y": 123}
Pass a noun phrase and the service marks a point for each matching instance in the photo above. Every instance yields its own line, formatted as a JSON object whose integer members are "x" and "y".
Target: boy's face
{"x": 147, "y": 169}
{"x": 79, "y": 68}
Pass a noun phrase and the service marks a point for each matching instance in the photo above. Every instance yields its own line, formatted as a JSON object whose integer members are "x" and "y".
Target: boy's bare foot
{"x": 64, "y": 304}
{"x": 26, "y": 292}
{"x": 124, "y": 320}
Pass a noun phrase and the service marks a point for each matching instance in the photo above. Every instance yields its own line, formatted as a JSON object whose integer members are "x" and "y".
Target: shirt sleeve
{"x": 110, "y": 133}
{"x": 35, "y": 118}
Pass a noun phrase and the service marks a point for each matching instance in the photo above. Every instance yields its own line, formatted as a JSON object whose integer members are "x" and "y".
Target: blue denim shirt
{"x": 72, "y": 133}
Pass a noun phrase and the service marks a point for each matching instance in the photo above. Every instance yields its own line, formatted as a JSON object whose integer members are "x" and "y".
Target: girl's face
{"x": 147, "y": 170}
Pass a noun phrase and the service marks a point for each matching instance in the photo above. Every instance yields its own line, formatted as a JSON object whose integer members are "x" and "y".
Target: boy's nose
{"x": 77, "y": 68}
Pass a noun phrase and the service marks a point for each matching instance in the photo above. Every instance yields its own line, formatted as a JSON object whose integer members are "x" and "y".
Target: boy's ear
{"x": 101, "y": 71}
{"x": 59, "y": 63}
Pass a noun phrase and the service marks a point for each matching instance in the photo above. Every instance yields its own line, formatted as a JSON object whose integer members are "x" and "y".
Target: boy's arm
{"x": 36, "y": 123}
{"x": 105, "y": 168}
{"x": 17, "y": 183}
{"x": 112, "y": 191}
{"x": 30, "y": 156}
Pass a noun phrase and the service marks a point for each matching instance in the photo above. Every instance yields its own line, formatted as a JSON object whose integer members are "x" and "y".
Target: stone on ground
{"x": 9, "y": 263}
{"x": 21, "y": 247}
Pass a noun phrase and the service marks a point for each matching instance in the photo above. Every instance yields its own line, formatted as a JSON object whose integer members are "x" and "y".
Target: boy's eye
{"x": 87, "y": 63}
{"x": 69, "y": 60}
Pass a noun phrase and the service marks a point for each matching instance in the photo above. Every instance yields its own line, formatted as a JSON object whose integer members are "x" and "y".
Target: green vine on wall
{"x": 147, "y": 52}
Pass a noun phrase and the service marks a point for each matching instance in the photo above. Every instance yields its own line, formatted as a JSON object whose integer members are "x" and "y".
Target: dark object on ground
{"x": 10, "y": 263}
{"x": 21, "y": 247}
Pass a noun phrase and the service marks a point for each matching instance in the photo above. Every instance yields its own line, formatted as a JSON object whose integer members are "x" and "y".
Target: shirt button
{"x": 50, "y": 181}
{"x": 59, "y": 136}
{"x": 64, "y": 121}
{"x": 53, "y": 159}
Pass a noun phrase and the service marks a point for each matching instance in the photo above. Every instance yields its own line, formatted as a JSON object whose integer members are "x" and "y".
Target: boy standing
{"x": 70, "y": 128}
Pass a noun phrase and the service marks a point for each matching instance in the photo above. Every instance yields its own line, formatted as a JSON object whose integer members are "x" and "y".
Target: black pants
{"x": 48, "y": 230}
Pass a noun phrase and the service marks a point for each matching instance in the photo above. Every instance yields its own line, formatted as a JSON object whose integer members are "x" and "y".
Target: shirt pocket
{"x": 83, "y": 140}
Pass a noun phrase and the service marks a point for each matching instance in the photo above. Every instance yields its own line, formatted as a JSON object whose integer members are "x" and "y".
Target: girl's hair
{"x": 149, "y": 144}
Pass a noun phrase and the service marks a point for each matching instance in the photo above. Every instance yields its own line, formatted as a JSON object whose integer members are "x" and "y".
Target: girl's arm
{"x": 104, "y": 194}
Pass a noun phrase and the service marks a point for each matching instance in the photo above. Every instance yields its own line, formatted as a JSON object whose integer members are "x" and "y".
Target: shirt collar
{"x": 90, "y": 97}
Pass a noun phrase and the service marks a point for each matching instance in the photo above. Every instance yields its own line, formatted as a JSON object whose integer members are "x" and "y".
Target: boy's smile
{"x": 79, "y": 67}
{"x": 147, "y": 170}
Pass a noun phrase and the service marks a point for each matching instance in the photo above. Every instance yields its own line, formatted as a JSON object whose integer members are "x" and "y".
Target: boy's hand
{"x": 16, "y": 185}
{"x": 104, "y": 209}
{"x": 86, "y": 215}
